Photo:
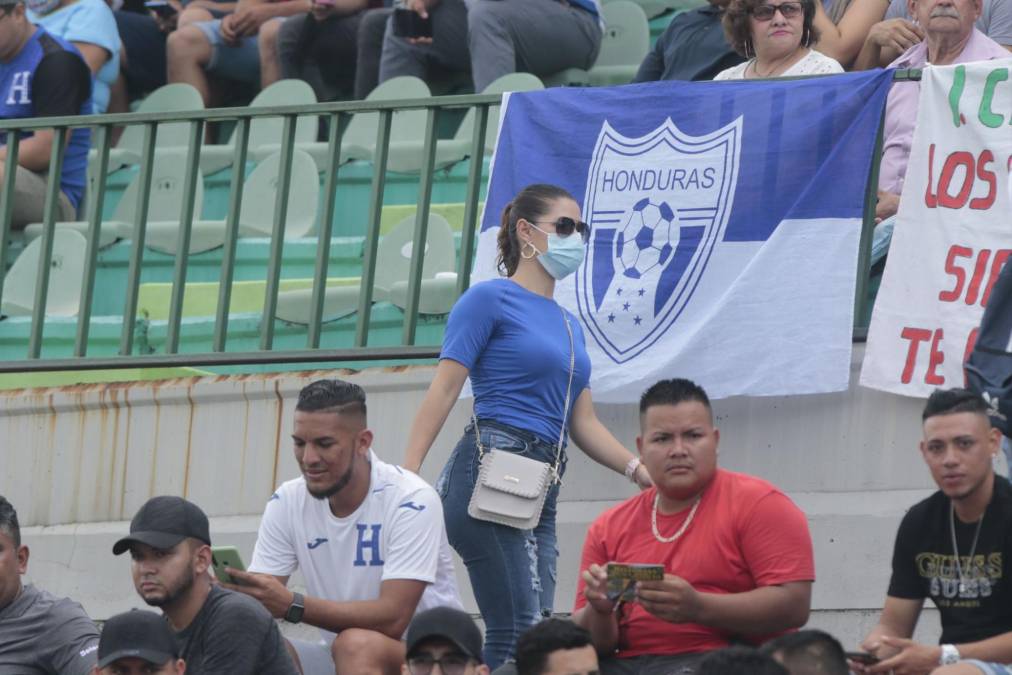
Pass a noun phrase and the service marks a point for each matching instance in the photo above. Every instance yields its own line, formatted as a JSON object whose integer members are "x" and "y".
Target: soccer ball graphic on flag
{"x": 648, "y": 238}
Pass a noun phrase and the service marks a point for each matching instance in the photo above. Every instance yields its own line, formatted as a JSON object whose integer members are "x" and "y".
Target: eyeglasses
{"x": 788, "y": 10}
{"x": 449, "y": 664}
{"x": 566, "y": 226}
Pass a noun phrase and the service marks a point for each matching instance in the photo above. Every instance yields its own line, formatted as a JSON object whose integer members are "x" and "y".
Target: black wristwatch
{"x": 296, "y": 609}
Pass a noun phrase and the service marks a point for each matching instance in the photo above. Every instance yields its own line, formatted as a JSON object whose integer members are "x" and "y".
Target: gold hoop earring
{"x": 523, "y": 251}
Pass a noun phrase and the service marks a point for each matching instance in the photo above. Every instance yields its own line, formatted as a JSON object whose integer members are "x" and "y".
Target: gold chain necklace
{"x": 681, "y": 530}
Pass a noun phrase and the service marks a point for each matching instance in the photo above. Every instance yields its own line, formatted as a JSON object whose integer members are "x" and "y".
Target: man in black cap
{"x": 446, "y": 636}
{"x": 218, "y": 631}
{"x": 138, "y": 643}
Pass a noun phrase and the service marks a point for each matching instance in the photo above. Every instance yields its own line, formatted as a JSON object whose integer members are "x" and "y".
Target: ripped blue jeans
{"x": 512, "y": 571}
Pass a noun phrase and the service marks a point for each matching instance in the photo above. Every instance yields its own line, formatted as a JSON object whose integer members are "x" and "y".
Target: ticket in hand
{"x": 622, "y": 578}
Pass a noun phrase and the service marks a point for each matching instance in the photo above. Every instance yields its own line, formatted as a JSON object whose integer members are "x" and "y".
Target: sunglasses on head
{"x": 566, "y": 226}
{"x": 788, "y": 10}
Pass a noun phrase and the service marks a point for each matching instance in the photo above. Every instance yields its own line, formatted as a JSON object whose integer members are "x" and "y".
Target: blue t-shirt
{"x": 93, "y": 22}
{"x": 48, "y": 78}
{"x": 515, "y": 345}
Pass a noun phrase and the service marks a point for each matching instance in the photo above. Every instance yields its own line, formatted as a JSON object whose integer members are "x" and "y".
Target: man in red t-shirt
{"x": 736, "y": 551}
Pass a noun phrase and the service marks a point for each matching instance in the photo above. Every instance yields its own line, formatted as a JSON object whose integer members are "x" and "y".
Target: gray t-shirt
{"x": 233, "y": 634}
{"x": 43, "y": 634}
{"x": 995, "y": 18}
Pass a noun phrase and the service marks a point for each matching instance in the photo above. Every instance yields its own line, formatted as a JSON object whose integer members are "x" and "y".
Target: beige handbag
{"x": 511, "y": 488}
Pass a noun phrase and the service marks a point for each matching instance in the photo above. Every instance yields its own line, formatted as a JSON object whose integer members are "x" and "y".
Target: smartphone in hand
{"x": 410, "y": 24}
{"x": 226, "y": 556}
{"x": 864, "y": 658}
{"x": 622, "y": 578}
{"x": 162, "y": 8}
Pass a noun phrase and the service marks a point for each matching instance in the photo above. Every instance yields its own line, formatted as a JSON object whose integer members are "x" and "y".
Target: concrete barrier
{"x": 80, "y": 460}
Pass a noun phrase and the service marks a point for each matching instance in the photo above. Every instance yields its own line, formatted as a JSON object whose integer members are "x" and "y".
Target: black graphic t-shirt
{"x": 924, "y": 566}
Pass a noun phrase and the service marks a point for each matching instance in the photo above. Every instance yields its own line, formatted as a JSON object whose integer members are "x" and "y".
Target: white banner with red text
{"x": 953, "y": 231}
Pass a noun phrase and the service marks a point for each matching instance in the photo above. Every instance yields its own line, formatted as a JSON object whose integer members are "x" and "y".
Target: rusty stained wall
{"x": 96, "y": 452}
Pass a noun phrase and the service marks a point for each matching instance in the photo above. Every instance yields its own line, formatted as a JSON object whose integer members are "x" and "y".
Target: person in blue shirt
{"x": 90, "y": 26}
{"x": 41, "y": 76}
{"x": 510, "y": 337}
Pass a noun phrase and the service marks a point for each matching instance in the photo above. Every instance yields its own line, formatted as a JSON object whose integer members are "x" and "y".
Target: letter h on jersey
{"x": 372, "y": 544}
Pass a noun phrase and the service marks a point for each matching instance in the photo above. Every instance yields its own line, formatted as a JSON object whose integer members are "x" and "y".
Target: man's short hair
{"x": 673, "y": 392}
{"x": 551, "y": 635}
{"x": 736, "y": 660}
{"x": 332, "y": 396}
{"x": 9, "y": 521}
{"x": 952, "y": 401}
{"x": 809, "y": 652}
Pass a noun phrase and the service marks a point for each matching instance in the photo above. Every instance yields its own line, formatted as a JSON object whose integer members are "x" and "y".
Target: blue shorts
{"x": 241, "y": 62}
{"x": 990, "y": 668}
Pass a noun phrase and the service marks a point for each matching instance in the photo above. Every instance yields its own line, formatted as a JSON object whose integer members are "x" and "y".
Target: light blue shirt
{"x": 515, "y": 345}
{"x": 93, "y": 22}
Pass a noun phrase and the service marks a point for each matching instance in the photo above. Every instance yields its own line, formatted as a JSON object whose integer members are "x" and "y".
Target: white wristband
{"x": 630, "y": 468}
{"x": 949, "y": 655}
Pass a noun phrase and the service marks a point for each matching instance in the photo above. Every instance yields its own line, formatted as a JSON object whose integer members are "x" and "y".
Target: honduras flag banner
{"x": 725, "y": 216}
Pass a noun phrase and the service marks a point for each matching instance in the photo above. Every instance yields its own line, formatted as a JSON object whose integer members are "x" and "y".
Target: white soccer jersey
{"x": 396, "y": 533}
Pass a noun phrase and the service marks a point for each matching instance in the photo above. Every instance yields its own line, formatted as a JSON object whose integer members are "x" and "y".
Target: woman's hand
{"x": 642, "y": 477}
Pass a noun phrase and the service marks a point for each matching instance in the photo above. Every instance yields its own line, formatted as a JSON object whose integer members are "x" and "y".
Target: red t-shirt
{"x": 746, "y": 534}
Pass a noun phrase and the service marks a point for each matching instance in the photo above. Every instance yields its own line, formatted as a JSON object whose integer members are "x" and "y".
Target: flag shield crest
{"x": 658, "y": 205}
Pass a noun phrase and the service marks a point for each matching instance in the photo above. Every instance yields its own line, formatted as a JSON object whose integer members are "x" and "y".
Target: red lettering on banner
{"x": 988, "y": 176}
{"x": 951, "y": 268}
{"x": 935, "y": 358}
{"x": 1000, "y": 257}
{"x": 952, "y": 162}
{"x": 978, "y": 274}
{"x": 929, "y": 197}
{"x": 974, "y": 170}
{"x": 971, "y": 340}
{"x": 916, "y": 337}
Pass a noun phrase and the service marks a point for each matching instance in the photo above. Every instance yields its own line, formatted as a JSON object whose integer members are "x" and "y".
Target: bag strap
{"x": 565, "y": 407}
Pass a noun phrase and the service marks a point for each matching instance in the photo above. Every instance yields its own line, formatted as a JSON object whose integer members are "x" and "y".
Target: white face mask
{"x": 564, "y": 254}
{"x": 42, "y": 7}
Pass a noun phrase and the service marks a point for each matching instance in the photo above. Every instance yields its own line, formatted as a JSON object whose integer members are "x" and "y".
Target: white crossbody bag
{"x": 511, "y": 488}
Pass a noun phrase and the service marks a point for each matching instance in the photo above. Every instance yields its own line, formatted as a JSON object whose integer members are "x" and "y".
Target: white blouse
{"x": 814, "y": 63}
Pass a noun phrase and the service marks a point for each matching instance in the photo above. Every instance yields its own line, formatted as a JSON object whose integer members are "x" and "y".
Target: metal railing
{"x": 337, "y": 115}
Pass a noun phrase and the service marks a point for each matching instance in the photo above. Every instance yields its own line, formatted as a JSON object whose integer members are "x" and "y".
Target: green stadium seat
{"x": 256, "y": 214}
{"x": 65, "y": 275}
{"x": 393, "y": 263}
{"x": 625, "y": 44}
{"x": 359, "y": 140}
{"x": 167, "y": 180}
{"x": 176, "y": 97}
{"x": 266, "y": 131}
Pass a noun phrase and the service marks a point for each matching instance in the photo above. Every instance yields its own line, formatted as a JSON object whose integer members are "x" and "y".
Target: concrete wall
{"x": 79, "y": 461}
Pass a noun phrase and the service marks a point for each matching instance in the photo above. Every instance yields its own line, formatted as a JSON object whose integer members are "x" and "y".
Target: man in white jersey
{"x": 367, "y": 535}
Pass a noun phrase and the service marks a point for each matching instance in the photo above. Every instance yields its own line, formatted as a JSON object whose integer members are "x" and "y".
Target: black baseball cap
{"x": 137, "y": 635}
{"x": 163, "y": 522}
{"x": 445, "y": 623}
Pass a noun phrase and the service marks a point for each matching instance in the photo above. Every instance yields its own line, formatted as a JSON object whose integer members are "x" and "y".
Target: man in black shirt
{"x": 218, "y": 631}
{"x": 693, "y": 47}
{"x": 954, "y": 547}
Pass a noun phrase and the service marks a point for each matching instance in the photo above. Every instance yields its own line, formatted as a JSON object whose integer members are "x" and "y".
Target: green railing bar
{"x": 371, "y": 242}
{"x": 126, "y": 342}
{"x": 471, "y": 224}
{"x": 337, "y": 123}
{"x": 867, "y": 230}
{"x": 94, "y": 231}
{"x": 183, "y": 238}
{"x": 278, "y": 235}
{"x": 7, "y": 205}
{"x": 48, "y": 234}
{"x": 222, "y": 359}
{"x": 232, "y": 217}
{"x": 220, "y": 114}
{"x": 421, "y": 229}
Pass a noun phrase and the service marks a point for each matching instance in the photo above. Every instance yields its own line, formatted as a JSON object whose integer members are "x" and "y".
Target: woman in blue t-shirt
{"x": 509, "y": 336}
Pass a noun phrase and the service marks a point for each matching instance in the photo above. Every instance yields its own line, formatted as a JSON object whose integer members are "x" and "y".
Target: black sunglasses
{"x": 789, "y": 10}
{"x": 449, "y": 664}
{"x": 566, "y": 226}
